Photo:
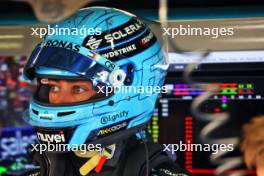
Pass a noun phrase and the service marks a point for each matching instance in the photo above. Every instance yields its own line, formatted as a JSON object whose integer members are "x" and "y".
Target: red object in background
{"x": 188, "y": 140}
{"x": 23, "y": 84}
{"x": 240, "y": 91}
{"x": 189, "y": 154}
{"x": 249, "y": 91}
{"x": 216, "y": 110}
{"x": 11, "y": 83}
{"x": 16, "y": 101}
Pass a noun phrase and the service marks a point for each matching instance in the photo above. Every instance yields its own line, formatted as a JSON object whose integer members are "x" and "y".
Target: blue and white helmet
{"x": 115, "y": 51}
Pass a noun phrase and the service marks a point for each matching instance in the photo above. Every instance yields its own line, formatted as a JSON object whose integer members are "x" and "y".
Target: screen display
{"x": 173, "y": 122}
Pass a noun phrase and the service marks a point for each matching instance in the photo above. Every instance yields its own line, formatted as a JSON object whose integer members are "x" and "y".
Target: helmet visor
{"x": 64, "y": 59}
{"x": 90, "y": 82}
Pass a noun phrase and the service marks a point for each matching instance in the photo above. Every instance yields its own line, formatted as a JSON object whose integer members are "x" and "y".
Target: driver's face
{"x": 63, "y": 91}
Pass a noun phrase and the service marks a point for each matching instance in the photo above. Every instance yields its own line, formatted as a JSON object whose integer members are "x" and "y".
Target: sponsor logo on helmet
{"x": 53, "y": 138}
{"x": 63, "y": 44}
{"x": 110, "y": 65}
{"x": 119, "y": 34}
{"x": 46, "y": 115}
{"x": 123, "y": 41}
{"x": 112, "y": 129}
{"x": 121, "y": 51}
{"x": 129, "y": 30}
{"x": 112, "y": 118}
{"x": 92, "y": 43}
{"x": 146, "y": 39}
{"x": 44, "y": 81}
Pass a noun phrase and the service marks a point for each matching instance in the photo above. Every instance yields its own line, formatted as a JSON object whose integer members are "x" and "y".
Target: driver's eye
{"x": 54, "y": 88}
{"x": 78, "y": 89}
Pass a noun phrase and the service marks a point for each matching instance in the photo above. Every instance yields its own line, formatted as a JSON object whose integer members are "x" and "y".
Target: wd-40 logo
{"x": 57, "y": 138}
{"x": 93, "y": 44}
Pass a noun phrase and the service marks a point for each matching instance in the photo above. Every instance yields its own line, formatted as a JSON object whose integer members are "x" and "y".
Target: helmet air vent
{"x": 60, "y": 114}
{"x": 35, "y": 111}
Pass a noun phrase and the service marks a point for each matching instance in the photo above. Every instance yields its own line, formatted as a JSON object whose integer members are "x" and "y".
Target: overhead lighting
{"x": 8, "y": 36}
{"x": 240, "y": 40}
{"x": 10, "y": 45}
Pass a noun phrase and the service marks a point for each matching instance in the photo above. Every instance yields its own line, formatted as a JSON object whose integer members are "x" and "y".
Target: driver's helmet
{"x": 121, "y": 61}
